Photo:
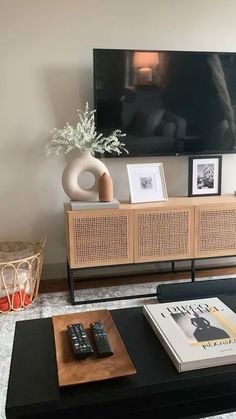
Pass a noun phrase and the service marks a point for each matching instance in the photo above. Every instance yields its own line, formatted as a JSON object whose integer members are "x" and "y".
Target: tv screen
{"x": 167, "y": 102}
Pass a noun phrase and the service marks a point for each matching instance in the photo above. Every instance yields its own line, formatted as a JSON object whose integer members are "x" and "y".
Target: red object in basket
{"x": 17, "y": 300}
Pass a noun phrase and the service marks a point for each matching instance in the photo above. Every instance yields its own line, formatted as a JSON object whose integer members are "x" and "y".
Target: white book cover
{"x": 195, "y": 333}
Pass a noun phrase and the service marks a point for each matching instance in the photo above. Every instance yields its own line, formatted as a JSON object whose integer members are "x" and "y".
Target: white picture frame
{"x": 147, "y": 182}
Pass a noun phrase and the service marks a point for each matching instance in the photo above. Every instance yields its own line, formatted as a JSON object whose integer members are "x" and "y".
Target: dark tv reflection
{"x": 167, "y": 102}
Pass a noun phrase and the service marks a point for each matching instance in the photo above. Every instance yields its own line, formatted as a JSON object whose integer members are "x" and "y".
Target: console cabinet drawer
{"x": 215, "y": 230}
{"x": 163, "y": 234}
{"x": 99, "y": 238}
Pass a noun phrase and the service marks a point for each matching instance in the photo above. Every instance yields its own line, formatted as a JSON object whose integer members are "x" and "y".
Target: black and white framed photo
{"x": 147, "y": 182}
{"x": 204, "y": 175}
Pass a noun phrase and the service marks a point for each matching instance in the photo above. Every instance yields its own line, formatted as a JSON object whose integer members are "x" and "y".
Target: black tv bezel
{"x": 195, "y": 153}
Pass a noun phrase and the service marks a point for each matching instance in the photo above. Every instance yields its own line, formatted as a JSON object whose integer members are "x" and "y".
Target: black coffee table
{"x": 156, "y": 391}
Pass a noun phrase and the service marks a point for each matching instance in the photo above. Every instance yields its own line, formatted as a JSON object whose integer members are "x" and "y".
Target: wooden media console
{"x": 181, "y": 228}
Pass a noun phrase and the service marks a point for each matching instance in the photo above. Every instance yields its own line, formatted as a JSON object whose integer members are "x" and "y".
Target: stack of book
{"x": 87, "y": 205}
{"x": 195, "y": 333}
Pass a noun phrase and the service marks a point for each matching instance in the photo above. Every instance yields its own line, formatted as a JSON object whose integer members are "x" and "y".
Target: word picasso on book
{"x": 195, "y": 333}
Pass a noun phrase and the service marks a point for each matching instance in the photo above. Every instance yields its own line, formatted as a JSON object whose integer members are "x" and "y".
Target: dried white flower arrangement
{"x": 84, "y": 137}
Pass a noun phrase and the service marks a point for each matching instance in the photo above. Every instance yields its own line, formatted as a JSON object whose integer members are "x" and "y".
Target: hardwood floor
{"x": 57, "y": 285}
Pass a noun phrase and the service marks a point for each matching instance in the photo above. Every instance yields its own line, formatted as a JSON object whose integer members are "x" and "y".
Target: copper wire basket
{"x": 20, "y": 273}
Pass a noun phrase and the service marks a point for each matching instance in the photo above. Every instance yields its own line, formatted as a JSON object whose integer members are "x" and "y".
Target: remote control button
{"x": 79, "y": 339}
{"x": 102, "y": 345}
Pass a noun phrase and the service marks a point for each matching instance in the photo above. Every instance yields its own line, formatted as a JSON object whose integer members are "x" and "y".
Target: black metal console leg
{"x": 71, "y": 284}
{"x": 68, "y": 273}
{"x": 173, "y": 266}
{"x": 192, "y": 270}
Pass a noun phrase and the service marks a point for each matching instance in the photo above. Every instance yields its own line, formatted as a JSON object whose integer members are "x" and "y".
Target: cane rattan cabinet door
{"x": 163, "y": 234}
{"x": 99, "y": 238}
{"x": 215, "y": 230}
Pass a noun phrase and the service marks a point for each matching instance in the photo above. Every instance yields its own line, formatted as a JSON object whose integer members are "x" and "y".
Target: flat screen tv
{"x": 167, "y": 102}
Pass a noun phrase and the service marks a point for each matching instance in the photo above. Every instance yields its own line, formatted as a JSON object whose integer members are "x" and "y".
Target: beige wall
{"x": 46, "y": 74}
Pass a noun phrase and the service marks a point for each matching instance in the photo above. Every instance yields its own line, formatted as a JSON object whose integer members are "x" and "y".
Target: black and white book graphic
{"x": 202, "y": 327}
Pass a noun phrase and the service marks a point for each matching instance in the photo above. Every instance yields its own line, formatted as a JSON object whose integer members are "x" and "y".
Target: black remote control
{"x": 79, "y": 339}
{"x": 100, "y": 339}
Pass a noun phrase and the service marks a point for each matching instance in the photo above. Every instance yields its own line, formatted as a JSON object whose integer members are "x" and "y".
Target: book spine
{"x": 81, "y": 207}
{"x": 165, "y": 343}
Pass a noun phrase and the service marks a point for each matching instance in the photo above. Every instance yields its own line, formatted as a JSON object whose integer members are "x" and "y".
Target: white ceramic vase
{"x": 84, "y": 162}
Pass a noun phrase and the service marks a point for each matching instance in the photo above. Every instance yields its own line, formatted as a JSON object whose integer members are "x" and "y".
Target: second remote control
{"x": 100, "y": 339}
{"x": 79, "y": 340}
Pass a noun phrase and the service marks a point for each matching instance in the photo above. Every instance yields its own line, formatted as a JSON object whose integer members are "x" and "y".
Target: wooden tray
{"x": 73, "y": 371}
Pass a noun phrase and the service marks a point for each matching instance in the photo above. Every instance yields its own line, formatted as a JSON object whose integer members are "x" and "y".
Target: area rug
{"x": 47, "y": 305}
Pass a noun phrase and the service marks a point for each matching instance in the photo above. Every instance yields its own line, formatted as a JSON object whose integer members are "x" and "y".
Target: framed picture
{"x": 204, "y": 176}
{"x": 147, "y": 182}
